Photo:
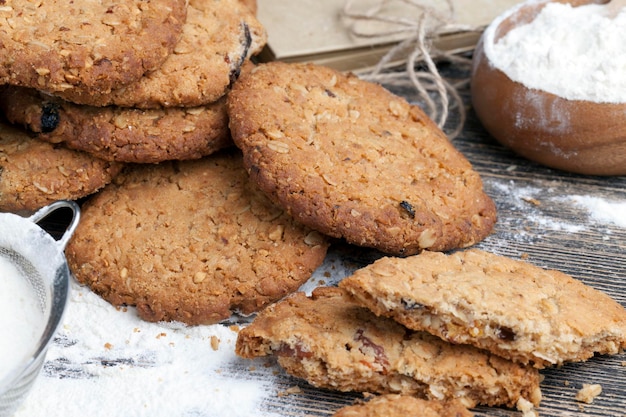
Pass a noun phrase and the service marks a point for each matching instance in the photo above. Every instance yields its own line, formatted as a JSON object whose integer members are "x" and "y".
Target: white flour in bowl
{"x": 21, "y": 318}
{"x": 578, "y": 53}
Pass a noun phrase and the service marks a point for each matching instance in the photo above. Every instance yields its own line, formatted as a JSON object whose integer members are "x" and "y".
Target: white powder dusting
{"x": 602, "y": 210}
{"x": 108, "y": 362}
{"x": 578, "y": 53}
{"x": 529, "y": 200}
{"x": 21, "y": 318}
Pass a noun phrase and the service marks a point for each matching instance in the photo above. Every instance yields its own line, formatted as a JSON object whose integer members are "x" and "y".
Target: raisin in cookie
{"x": 190, "y": 241}
{"x": 334, "y": 343}
{"x": 396, "y": 405}
{"x": 218, "y": 37}
{"x": 509, "y": 307}
{"x": 35, "y": 173}
{"x": 118, "y": 133}
{"x": 86, "y": 45}
{"x": 352, "y": 160}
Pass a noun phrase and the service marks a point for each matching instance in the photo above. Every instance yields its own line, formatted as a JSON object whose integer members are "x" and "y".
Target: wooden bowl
{"x": 584, "y": 137}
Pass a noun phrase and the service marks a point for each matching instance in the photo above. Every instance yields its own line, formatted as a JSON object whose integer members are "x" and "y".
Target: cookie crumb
{"x": 588, "y": 393}
{"x": 532, "y": 201}
{"x": 527, "y": 408}
{"x": 289, "y": 391}
{"x": 215, "y": 342}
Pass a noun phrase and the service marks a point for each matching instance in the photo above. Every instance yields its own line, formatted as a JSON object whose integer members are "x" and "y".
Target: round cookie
{"x": 218, "y": 37}
{"x": 350, "y": 159}
{"x": 35, "y": 173}
{"x": 117, "y": 133}
{"x": 191, "y": 241}
{"x": 85, "y": 45}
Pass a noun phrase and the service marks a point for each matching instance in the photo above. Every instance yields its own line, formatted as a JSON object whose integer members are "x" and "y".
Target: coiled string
{"x": 416, "y": 52}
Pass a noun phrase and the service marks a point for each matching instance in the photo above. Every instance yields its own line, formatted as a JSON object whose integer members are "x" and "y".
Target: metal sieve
{"x": 40, "y": 259}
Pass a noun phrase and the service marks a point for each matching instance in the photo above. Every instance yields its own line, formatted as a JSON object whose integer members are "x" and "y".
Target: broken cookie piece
{"x": 330, "y": 341}
{"x": 511, "y": 308}
{"x": 396, "y": 405}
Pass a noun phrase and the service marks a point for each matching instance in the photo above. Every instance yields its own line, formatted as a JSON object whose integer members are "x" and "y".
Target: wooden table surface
{"x": 542, "y": 218}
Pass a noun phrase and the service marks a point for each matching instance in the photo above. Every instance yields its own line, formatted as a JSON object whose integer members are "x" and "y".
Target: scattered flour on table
{"x": 108, "y": 362}
{"x": 577, "y": 53}
{"x": 534, "y": 202}
{"x": 530, "y": 200}
{"x": 602, "y": 210}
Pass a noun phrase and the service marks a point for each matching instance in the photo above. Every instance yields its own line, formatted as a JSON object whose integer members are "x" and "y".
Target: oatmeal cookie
{"x": 511, "y": 308}
{"x": 334, "y": 343}
{"x": 396, "y": 405}
{"x": 90, "y": 46}
{"x": 35, "y": 173}
{"x": 218, "y": 37}
{"x": 118, "y": 133}
{"x": 350, "y": 159}
{"x": 190, "y": 241}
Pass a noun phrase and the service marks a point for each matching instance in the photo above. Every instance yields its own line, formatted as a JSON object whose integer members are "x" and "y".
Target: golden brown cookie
{"x": 117, "y": 133}
{"x": 395, "y": 405}
{"x": 35, "y": 173}
{"x": 352, "y": 160}
{"x": 512, "y": 308}
{"x": 190, "y": 241}
{"x": 218, "y": 37}
{"x": 334, "y": 343}
{"x": 85, "y": 45}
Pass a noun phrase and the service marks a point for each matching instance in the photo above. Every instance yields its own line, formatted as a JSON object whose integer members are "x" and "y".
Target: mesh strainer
{"x": 41, "y": 261}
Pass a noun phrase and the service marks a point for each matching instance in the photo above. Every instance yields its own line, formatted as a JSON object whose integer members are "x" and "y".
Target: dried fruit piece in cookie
{"x": 350, "y": 159}
{"x": 512, "y": 308}
{"x": 334, "y": 343}
{"x": 35, "y": 173}
{"x": 190, "y": 241}
{"x": 118, "y": 133}
{"x": 218, "y": 37}
{"x": 396, "y": 405}
{"x": 85, "y": 45}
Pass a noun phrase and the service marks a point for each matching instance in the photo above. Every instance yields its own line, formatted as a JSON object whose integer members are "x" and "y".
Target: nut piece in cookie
{"x": 511, "y": 308}
{"x": 90, "y": 46}
{"x": 352, "y": 160}
{"x": 119, "y": 133}
{"x": 35, "y": 173}
{"x": 396, "y": 405}
{"x": 191, "y": 241}
{"x": 330, "y": 341}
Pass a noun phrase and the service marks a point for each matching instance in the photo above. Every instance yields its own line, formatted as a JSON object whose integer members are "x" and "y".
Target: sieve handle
{"x": 45, "y": 211}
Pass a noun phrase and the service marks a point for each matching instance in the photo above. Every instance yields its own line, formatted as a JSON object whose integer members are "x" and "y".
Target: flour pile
{"x": 578, "y": 53}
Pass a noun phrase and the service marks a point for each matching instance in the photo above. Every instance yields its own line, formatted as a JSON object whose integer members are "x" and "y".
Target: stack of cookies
{"x": 471, "y": 326}
{"x": 130, "y": 82}
{"x": 137, "y": 89}
{"x": 185, "y": 226}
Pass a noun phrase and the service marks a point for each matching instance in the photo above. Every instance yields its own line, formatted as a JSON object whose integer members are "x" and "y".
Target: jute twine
{"x": 417, "y": 53}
